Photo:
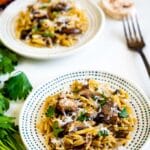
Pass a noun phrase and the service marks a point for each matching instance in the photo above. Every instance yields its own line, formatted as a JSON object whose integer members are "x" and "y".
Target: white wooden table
{"x": 108, "y": 52}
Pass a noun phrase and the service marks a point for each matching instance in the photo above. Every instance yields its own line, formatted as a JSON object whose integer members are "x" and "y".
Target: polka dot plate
{"x": 29, "y": 115}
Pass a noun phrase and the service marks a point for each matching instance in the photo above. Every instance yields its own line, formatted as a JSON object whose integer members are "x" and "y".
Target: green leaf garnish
{"x": 43, "y": 7}
{"x": 103, "y": 133}
{"x": 7, "y": 60}
{"x": 35, "y": 28}
{"x": 4, "y": 104}
{"x": 50, "y": 111}
{"x": 56, "y": 129}
{"x": 123, "y": 113}
{"x": 48, "y": 34}
{"x": 83, "y": 117}
{"x": 100, "y": 99}
{"x": 17, "y": 87}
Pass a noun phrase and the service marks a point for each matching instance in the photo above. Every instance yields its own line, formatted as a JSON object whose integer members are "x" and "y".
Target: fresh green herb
{"x": 17, "y": 87}
{"x": 4, "y": 104}
{"x": 48, "y": 34}
{"x": 56, "y": 129}
{"x": 7, "y": 60}
{"x": 43, "y": 7}
{"x": 103, "y": 133}
{"x": 123, "y": 113}
{"x": 9, "y": 134}
{"x": 83, "y": 117}
{"x": 95, "y": 98}
{"x": 102, "y": 102}
{"x": 55, "y": 13}
{"x": 50, "y": 111}
{"x": 35, "y": 28}
{"x": 100, "y": 99}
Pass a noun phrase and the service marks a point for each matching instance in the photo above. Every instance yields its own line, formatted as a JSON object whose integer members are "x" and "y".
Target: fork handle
{"x": 145, "y": 62}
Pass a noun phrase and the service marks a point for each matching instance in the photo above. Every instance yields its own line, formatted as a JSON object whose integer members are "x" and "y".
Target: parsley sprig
{"x": 16, "y": 87}
{"x": 56, "y": 129}
{"x": 8, "y": 60}
{"x": 50, "y": 111}
{"x": 123, "y": 113}
{"x": 103, "y": 133}
{"x": 83, "y": 116}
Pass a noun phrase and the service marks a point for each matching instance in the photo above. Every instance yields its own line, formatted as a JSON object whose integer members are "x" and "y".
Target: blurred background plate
{"x": 7, "y": 34}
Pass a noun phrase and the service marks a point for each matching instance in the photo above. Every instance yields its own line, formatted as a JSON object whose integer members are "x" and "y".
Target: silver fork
{"x": 134, "y": 38}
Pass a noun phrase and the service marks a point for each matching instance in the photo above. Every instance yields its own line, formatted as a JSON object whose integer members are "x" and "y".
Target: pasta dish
{"x": 88, "y": 116}
{"x": 50, "y": 23}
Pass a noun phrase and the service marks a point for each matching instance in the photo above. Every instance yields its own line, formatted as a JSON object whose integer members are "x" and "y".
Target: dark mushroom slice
{"x": 86, "y": 93}
{"x": 38, "y": 15}
{"x": 74, "y": 126}
{"x": 61, "y": 6}
{"x": 68, "y": 31}
{"x": 108, "y": 114}
{"x": 24, "y": 34}
{"x": 121, "y": 134}
{"x": 81, "y": 147}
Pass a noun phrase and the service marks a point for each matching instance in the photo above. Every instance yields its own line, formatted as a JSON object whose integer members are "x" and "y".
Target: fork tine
{"x": 134, "y": 27}
{"x": 125, "y": 31}
{"x": 139, "y": 30}
{"x": 129, "y": 28}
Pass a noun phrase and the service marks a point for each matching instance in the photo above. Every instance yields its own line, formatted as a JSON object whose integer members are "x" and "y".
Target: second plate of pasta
{"x": 49, "y": 29}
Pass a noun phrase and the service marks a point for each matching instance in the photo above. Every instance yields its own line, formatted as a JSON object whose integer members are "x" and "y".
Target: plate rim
{"x": 146, "y": 98}
{"x": 53, "y": 56}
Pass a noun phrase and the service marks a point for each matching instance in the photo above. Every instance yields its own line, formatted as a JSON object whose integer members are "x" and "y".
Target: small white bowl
{"x": 7, "y": 31}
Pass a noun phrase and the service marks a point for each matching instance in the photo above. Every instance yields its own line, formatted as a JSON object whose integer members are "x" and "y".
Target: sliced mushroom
{"x": 121, "y": 134}
{"x": 74, "y": 126}
{"x": 68, "y": 31}
{"x": 81, "y": 147}
{"x": 39, "y": 14}
{"x": 24, "y": 34}
{"x": 108, "y": 114}
{"x": 118, "y": 9}
{"x": 86, "y": 93}
{"x": 61, "y": 6}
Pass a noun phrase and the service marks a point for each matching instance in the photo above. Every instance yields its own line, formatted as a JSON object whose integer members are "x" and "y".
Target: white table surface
{"x": 108, "y": 53}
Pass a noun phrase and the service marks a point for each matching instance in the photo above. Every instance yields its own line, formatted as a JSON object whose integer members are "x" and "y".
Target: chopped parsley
{"x": 48, "y": 34}
{"x": 43, "y": 7}
{"x": 83, "y": 117}
{"x": 50, "y": 111}
{"x": 101, "y": 99}
{"x": 123, "y": 113}
{"x": 56, "y": 129}
{"x": 35, "y": 28}
{"x": 103, "y": 133}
